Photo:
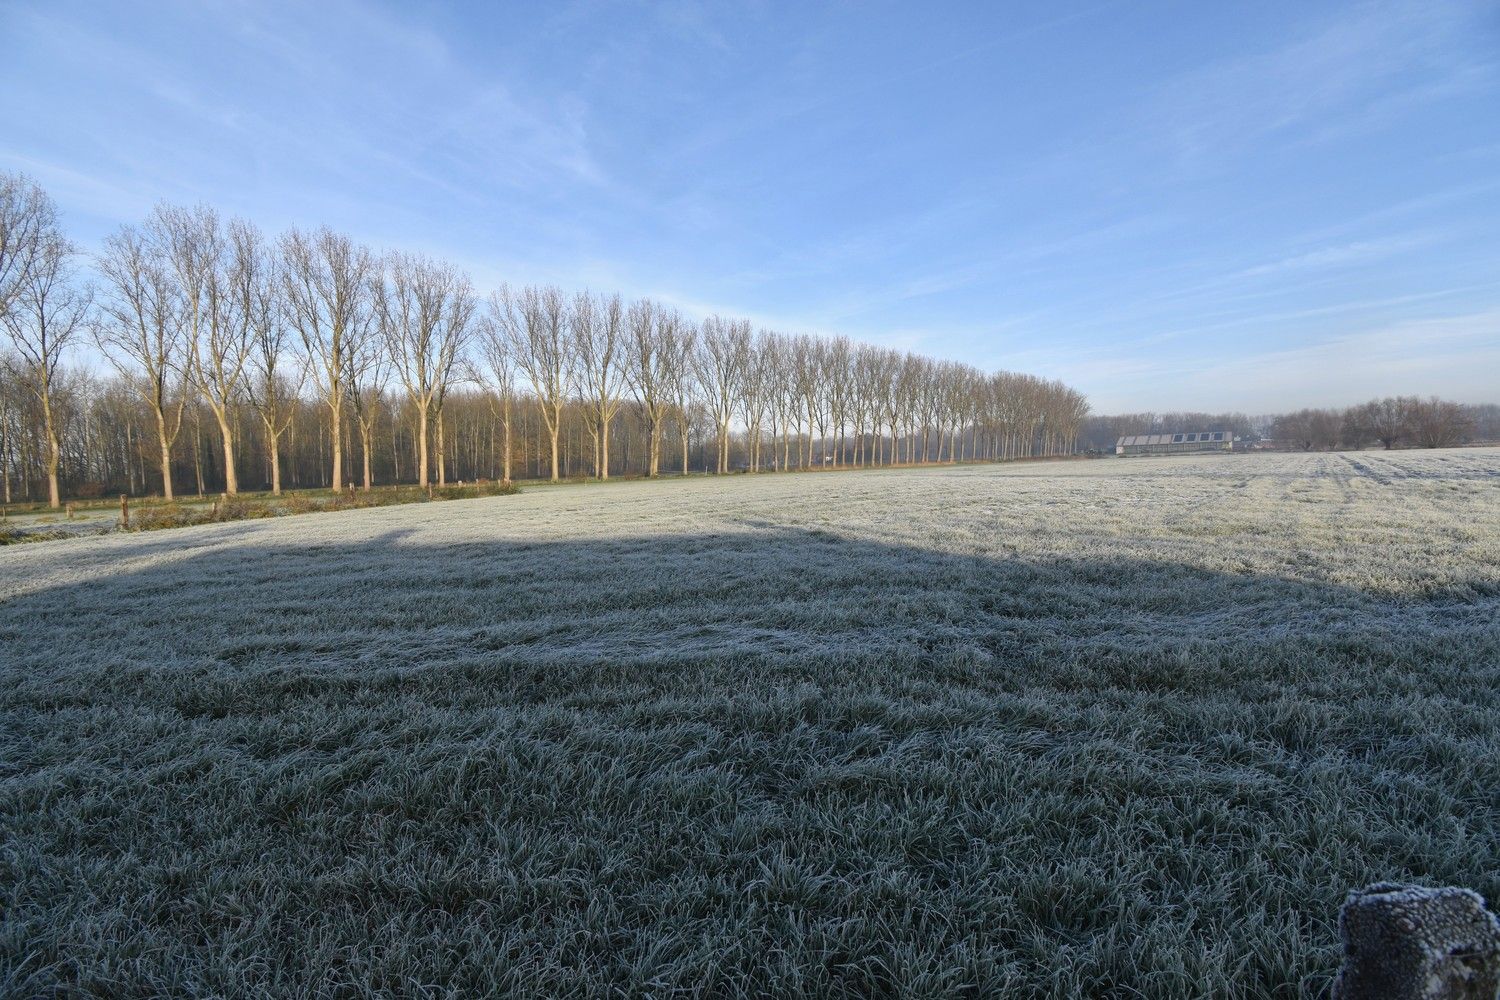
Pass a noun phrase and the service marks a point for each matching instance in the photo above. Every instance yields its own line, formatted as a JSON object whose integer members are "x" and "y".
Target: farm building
{"x": 1174, "y": 444}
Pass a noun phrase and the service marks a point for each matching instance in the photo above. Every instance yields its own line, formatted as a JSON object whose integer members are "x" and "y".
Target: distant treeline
{"x": 311, "y": 361}
{"x": 1392, "y": 422}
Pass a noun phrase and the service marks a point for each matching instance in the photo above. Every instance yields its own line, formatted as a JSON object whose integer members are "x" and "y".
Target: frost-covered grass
{"x": 1122, "y": 728}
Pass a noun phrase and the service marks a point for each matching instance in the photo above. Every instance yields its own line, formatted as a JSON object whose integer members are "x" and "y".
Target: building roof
{"x": 1180, "y": 437}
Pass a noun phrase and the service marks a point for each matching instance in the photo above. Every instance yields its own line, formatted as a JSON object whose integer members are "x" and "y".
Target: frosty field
{"x": 1118, "y": 728}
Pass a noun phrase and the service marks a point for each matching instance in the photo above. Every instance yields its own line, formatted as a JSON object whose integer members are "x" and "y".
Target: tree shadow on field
{"x": 775, "y": 761}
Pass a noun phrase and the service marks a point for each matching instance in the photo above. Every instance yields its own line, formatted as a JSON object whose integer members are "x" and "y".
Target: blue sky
{"x": 1252, "y": 206}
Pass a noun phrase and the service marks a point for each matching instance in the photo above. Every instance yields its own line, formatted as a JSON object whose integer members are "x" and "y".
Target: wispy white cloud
{"x": 1012, "y": 194}
{"x": 1352, "y": 70}
{"x": 1342, "y": 255}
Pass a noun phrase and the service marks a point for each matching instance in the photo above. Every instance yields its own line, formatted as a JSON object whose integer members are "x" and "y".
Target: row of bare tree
{"x": 197, "y": 314}
{"x": 1390, "y": 422}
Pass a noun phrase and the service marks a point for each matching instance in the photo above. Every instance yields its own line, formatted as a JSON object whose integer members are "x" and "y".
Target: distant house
{"x": 1185, "y": 443}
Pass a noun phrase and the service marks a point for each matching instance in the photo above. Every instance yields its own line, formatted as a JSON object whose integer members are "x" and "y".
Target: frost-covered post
{"x": 1407, "y": 942}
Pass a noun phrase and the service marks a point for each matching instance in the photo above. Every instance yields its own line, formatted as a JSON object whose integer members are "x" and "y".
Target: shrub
{"x": 469, "y": 491}
{"x": 299, "y": 503}
{"x": 173, "y": 515}
{"x": 165, "y": 515}
{"x": 10, "y": 536}
{"x": 241, "y": 510}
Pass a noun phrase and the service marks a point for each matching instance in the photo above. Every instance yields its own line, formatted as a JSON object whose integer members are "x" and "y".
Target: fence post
{"x": 124, "y": 512}
{"x": 1407, "y": 942}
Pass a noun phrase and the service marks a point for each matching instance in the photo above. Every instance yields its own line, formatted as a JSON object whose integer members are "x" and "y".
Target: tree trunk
{"x": 54, "y": 450}
{"x": 336, "y": 435}
{"x": 604, "y": 448}
{"x": 274, "y": 440}
{"x": 505, "y": 461}
{"x": 653, "y": 449}
{"x": 231, "y": 481}
{"x": 423, "y": 469}
{"x": 5, "y": 449}
{"x": 166, "y": 455}
{"x": 365, "y": 433}
{"x": 54, "y": 458}
{"x": 198, "y": 450}
{"x": 555, "y": 464}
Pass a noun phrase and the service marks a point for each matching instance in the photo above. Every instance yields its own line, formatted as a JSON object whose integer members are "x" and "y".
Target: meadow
{"x": 1122, "y": 728}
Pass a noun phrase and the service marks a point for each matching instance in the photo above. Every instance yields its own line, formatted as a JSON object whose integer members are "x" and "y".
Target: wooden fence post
{"x": 124, "y": 512}
{"x": 1407, "y": 942}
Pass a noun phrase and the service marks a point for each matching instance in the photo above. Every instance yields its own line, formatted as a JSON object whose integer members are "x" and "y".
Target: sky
{"x": 1212, "y": 206}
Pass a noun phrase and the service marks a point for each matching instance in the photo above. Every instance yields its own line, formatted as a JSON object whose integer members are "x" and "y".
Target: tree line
{"x": 1392, "y": 422}
{"x": 311, "y": 360}
{"x": 1395, "y": 421}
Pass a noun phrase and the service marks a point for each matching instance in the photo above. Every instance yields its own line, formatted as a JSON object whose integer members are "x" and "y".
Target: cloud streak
{"x": 1089, "y": 193}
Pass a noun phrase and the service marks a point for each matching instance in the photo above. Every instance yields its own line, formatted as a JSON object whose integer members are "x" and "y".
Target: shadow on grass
{"x": 776, "y": 762}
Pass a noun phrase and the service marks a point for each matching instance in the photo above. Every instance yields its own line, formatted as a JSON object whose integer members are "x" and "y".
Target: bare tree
{"x": 837, "y": 363}
{"x": 141, "y": 332}
{"x": 1387, "y": 420}
{"x": 679, "y": 344}
{"x": 599, "y": 339}
{"x": 501, "y": 376}
{"x": 27, "y": 218}
{"x": 1437, "y": 423}
{"x": 424, "y": 311}
{"x": 367, "y": 371}
{"x": 457, "y": 332}
{"x": 774, "y": 353}
{"x": 652, "y": 333}
{"x": 325, "y": 278}
{"x": 719, "y": 365}
{"x": 216, "y": 268}
{"x": 756, "y": 385}
{"x": 46, "y": 310}
{"x": 274, "y": 379}
{"x": 10, "y": 385}
{"x": 534, "y": 324}
{"x": 1309, "y": 429}
{"x": 884, "y": 367}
